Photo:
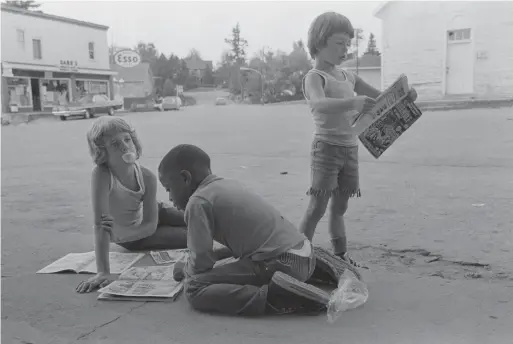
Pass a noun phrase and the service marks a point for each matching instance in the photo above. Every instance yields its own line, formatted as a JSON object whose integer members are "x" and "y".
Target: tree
{"x": 298, "y": 58}
{"x": 183, "y": 73}
{"x": 26, "y": 5}
{"x": 358, "y": 36}
{"x": 223, "y": 69}
{"x": 371, "y": 46}
{"x": 147, "y": 51}
{"x": 238, "y": 46}
{"x": 208, "y": 78}
{"x": 169, "y": 88}
{"x": 194, "y": 53}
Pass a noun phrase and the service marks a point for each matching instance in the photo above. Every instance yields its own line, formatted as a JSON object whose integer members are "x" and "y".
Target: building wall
{"x": 370, "y": 76}
{"x": 59, "y": 41}
{"x": 420, "y": 52}
{"x": 494, "y": 48}
{"x": 137, "y": 84}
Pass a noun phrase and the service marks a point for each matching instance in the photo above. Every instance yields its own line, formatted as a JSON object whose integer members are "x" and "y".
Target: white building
{"x": 368, "y": 67}
{"x": 449, "y": 48}
{"x": 49, "y": 60}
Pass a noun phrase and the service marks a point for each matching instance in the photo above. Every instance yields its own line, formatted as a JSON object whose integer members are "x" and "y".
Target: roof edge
{"x": 47, "y": 16}
{"x": 379, "y": 10}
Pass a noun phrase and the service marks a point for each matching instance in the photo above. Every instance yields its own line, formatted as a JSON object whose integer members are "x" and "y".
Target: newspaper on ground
{"x": 155, "y": 283}
{"x": 169, "y": 256}
{"x": 392, "y": 115}
{"x": 85, "y": 263}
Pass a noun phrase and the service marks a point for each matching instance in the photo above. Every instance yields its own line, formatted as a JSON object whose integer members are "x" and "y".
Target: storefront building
{"x": 49, "y": 60}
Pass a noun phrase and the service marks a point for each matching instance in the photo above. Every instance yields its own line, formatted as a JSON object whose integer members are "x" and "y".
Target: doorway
{"x": 36, "y": 94}
{"x": 459, "y": 68}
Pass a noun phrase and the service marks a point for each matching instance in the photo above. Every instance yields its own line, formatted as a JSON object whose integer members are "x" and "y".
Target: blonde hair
{"x": 325, "y": 26}
{"x": 105, "y": 126}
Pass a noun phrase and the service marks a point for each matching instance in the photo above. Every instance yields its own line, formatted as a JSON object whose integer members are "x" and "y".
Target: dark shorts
{"x": 334, "y": 169}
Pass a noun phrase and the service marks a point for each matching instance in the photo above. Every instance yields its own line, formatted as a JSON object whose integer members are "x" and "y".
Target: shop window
{"x": 20, "y": 37}
{"x": 458, "y": 35}
{"x": 20, "y": 93}
{"x": 90, "y": 87}
{"x": 36, "y": 47}
{"x": 91, "y": 50}
{"x": 54, "y": 92}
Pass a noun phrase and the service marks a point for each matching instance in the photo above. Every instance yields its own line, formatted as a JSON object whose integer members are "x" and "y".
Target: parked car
{"x": 88, "y": 106}
{"x": 169, "y": 103}
{"x": 221, "y": 101}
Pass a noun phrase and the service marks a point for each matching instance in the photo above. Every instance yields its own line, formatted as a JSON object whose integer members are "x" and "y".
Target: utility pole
{"x": 358, "y": 35}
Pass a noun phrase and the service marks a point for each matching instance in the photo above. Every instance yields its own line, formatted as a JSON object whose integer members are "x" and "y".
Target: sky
{"x": 177, "y": 27}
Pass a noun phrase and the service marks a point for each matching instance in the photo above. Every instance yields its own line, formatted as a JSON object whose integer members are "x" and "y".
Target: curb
{"x": 443, "y": 105}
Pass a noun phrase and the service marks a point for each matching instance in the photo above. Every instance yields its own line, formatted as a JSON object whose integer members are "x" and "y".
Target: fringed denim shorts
{"x": 334, "y": 170}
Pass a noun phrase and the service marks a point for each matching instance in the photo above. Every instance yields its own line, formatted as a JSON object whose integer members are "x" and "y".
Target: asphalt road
{"x": 443, "y": 191}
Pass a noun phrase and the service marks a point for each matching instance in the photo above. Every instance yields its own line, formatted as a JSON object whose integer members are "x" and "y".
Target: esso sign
{"x": 127, "y": 58}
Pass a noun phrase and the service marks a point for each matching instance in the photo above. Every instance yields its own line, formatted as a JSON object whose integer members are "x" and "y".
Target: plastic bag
{"x": 350, "y": 293}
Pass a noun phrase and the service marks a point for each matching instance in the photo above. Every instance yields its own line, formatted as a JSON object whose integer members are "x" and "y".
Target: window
{"x": 90, "y": 87}
{"x": 54, "y": 92}
{"x": 20, "y": 34}
{"x": 36, "y": 47}
{"x": 20, "y": 92}
{"x": 458, "y": 35}
{"x": 91, "y": 50}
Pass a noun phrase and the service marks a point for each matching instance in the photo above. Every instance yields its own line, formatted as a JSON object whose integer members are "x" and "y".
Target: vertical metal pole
{"x": 357, "y": 44}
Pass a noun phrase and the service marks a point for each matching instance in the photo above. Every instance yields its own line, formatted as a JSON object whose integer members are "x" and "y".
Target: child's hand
{"x": 178, "y": 273}
{"x": 412, "y": 94}
{"x": 100, "y": 280}
{"x": 363, "y": 104}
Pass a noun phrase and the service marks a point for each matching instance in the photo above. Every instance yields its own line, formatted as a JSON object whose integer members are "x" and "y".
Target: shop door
{"x": 36, "y": 94}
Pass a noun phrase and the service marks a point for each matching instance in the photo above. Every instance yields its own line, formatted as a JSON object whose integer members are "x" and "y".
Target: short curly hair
{"x": 323, "y": 27}
{"x": 185, "y": 157}
{"x": 105, "y": 126}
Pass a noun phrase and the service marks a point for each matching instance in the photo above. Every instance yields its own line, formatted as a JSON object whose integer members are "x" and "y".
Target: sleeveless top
{"x": 332, "y": 128}
{"x": 126, "y": 207}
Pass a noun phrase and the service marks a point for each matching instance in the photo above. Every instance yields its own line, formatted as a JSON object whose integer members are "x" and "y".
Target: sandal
{"x": 346, "y": 257}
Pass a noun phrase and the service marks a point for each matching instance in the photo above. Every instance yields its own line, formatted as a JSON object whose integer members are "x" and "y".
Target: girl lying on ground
{"x": 124, "y": 198}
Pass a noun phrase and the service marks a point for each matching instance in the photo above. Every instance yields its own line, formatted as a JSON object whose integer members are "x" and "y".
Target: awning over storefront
{"x": 7, "y": 66}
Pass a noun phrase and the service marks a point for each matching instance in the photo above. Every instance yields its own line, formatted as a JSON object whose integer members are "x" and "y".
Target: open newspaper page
{"x": 386, "y": 101}
{"x": 75, "y": 262}
{"x": 392, "y": 115}
{"x": 119, "y": 261}
{"x": 386, "y": 130}
{"x": 169, "y": 256}
{"x": 148, "y": 281}
{"x": 148, "y": 273}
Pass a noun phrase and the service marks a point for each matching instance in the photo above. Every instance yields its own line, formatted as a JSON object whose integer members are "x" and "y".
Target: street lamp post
{"x": 261, "y": 80}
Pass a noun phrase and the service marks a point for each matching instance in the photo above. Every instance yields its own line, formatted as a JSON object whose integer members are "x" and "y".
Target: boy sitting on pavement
{"x": 274, "y": 258}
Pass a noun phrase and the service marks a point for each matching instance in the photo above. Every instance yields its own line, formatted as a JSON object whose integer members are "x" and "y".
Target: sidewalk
{"x": 402, "y": 308}
{"x": 460, "y": 104}
{"x": 445, "y": 104}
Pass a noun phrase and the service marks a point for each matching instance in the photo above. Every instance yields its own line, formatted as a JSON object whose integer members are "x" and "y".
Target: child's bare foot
{"x": 345, "y": 256}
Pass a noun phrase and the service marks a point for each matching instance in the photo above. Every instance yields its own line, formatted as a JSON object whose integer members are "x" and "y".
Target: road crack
{"x": 86, "y": 334}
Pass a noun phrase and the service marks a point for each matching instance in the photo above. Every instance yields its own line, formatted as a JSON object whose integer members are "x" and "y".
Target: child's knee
{"x": 339, "y": 205}
{"x": 317, "y": 207}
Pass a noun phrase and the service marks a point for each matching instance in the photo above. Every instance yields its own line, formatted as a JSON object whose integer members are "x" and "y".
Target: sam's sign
{"x": 68, "y": 66}
{"x": 127, "y": 58}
